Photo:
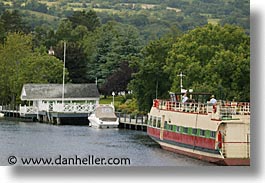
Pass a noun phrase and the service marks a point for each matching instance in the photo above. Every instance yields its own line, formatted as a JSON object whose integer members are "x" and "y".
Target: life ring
{"x": 156, "y": 103}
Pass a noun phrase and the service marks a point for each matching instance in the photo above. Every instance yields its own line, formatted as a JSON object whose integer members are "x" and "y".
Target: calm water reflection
{"x": 43, "y": 140}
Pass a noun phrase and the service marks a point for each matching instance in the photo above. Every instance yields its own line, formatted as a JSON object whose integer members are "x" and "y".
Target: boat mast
{"x": 156, "y": 88}
{"x": 181, "y": 86}
{"x": 64, "y": 52}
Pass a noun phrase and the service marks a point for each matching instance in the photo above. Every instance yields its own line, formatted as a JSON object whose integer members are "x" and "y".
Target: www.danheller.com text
{"x": 75, "y": 160}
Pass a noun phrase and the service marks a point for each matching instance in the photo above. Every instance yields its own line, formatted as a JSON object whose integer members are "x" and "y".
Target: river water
{"x": 38, "y": 140}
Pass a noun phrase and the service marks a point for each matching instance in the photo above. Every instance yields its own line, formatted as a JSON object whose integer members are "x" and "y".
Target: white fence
{"x": 58, "y": 107}
{"x": 27, "y": 110}
{"x": 73, "y": 107}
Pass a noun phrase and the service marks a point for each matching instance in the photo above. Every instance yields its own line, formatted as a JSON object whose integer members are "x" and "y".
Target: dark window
{"x": 154, "y": 122}
{"x": 165, "y": 125}
{"x": 150, "y": 120}
{"x": 202, "y": 132}
{"x": 213, "y": 134}
{"x": 185, "y": 130}
{"x": 178, "y": 128}
{"x": 194, "y": 131}
{"x": 158, "y": 122}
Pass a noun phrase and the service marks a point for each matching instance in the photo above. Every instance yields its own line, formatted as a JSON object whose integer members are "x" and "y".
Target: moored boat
{"x": 104, "y": 117}
{"x": 218, "y": 133}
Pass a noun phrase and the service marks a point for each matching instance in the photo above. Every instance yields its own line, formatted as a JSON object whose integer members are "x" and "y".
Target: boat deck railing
{"x": 221, "y": 109}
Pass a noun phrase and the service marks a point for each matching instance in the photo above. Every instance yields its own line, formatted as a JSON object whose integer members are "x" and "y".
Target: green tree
{"x": 15, "y": 48}
{"x": 88, "y": 19}
{"x": 64, "y": 31}
{"x": 19, "y": 64}
{"x": 75, "y": 63}
{"x": 2, "y": 32}
{"x": 12, "y": 22}
{"x": 42, "y": 68}
{"x": 151, "y": 81}
{"x": 214, "y": 59}
{"x": 117, "y": 81}
{"x": 107, "y": 47}
{"x": 36, "y": 6}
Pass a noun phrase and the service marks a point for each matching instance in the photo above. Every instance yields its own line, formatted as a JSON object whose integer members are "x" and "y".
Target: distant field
{"x": 106, "y": 10}
{"x": 79, "y": 7}
{"x": 42, "y": 15}
{"x": 213, "y": 21}
{"x": 50, "y": 3}
{"x": 174, "y": 9}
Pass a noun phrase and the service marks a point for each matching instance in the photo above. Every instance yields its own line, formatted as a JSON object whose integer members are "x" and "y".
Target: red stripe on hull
{"x": 188, "y": 140}
{"x": 220, "y": 161}
{"x": 153, "y": 132}
{"x": 183, "y": 138}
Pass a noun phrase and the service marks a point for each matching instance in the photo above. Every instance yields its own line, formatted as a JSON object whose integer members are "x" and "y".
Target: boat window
{"x": 202, "y": 132}
{"x": 170, "y": 127}
{"x": 150, "y": 120}
{"x": 158, "y": 123}
{"x": 178, "y": 128}
{"x": 213, "y": 134}
{"x": 194, "y": 131}
{"x": 106, "y": 110}
{"x": 154, "y": 122}
{"x": 185, "y": 130}
{"x": 165, "y": 125}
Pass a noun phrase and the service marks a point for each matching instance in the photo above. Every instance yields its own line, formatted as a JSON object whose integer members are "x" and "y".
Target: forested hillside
{"x": 137, "y": 45}
{"x": 153, "y": 18}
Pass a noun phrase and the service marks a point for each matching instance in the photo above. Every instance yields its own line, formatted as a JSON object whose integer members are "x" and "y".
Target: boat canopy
{"x": 105, "y": 113}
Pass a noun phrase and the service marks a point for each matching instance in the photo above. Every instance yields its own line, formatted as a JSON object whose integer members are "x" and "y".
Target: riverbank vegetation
{"x": 139, "y": 46}
{"x": 213, "y": 58}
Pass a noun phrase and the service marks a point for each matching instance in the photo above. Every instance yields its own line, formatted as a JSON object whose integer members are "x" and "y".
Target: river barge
{"x": 217, "y": 133}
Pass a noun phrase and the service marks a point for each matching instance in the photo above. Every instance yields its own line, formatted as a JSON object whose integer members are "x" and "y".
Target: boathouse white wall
{"x": 78, "y": 98}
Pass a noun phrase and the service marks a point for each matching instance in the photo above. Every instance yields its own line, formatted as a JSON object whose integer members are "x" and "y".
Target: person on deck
{"x": 213, "y": 100}
{"x": 184, "y": 98}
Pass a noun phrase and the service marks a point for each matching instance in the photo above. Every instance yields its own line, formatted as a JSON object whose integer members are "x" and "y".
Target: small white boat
{"x": 2, "y": 115}
{"x": 104, "y": 117}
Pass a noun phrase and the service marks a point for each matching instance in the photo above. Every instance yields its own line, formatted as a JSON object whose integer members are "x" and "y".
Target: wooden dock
{"x": 70, "y": 117}
{"x": 68, "y": 114}
{"x": 134, "y": 122}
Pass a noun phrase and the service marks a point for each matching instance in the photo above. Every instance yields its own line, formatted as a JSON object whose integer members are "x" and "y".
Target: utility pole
{"x": 64, "y": 53}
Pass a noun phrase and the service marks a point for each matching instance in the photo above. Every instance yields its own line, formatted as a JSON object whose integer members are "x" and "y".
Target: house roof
{"x": 54, "y": 91}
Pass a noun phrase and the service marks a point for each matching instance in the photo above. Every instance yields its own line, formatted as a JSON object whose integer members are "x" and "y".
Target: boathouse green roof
{"x": 54, "y": 92}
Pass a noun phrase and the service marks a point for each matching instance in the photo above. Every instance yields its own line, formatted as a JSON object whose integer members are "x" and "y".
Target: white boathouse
{"x": 46, "y": 102}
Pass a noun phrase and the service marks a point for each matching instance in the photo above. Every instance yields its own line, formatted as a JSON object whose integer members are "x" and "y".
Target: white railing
{"x": 184, "y": 107}
{"x": 58, "y": 107}
{"x": 43, "y": 106}
{"x": 27, "y": 110}
{"x": 221, "y": 109}
{"x": 73, "y": 107}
